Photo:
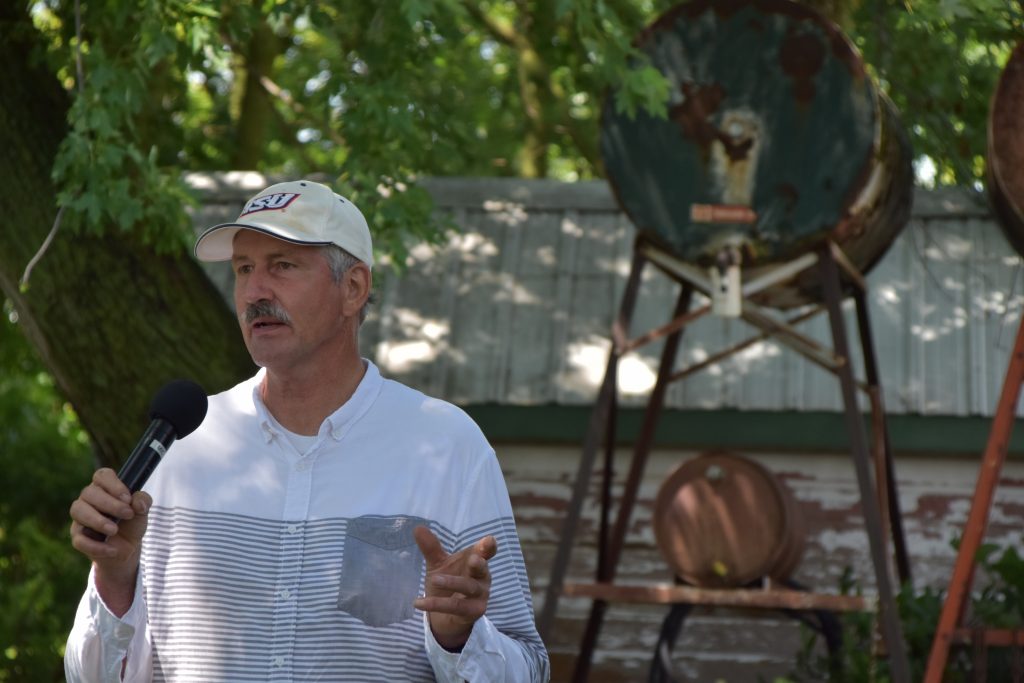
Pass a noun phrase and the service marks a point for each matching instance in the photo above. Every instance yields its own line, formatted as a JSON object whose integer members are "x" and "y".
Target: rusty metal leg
{"x": 891, "y": 629}
{"x": 887, "y": 472}
{"x": 977, "y": 518}
{"x": 598, "y": 417}
{"x": 645, "y": 441}
{"x": 879, "y": 464}
{"x": 607, "y": 478}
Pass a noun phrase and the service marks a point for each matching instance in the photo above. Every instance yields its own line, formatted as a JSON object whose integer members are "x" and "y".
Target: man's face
{"x": 289, "y": 307}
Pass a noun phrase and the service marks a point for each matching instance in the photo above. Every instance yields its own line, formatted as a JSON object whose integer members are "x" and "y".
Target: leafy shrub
{"x": 998, "y": 604}
{"x": 45, "y": 460}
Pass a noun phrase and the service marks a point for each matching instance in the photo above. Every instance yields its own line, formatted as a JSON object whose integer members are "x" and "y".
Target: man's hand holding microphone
{"x": 109, "y": 517}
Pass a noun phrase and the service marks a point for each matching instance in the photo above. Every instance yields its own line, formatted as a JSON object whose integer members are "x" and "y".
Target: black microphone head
{"x": 182, "y": 403}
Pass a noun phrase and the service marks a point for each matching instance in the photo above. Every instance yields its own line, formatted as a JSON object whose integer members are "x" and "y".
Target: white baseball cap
{"x": 300, "y": 211}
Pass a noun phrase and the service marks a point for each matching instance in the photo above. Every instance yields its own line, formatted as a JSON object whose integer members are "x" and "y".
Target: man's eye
{"x": 243, "y": 270}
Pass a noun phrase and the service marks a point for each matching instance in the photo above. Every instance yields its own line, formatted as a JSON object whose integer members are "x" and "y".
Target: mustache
{"x": 266, "y": 309}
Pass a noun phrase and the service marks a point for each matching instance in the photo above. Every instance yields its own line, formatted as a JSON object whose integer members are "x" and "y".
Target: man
{"x": 323, "y": 523}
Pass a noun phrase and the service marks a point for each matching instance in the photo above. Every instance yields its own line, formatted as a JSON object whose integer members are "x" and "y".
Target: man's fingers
{"x": 455, "y": 605}
{"x": 96, "y": 509}
{"x": 87, "y": 515}
{"x": 477, "y": 567}
{"x": 471, "y": 588}
{"x": 487, "y": 547}
{"x": 89, "y": 546}
{"x": 470, "y": 561}
{"x": 141, "y": 502}
{"x": 106, "y": 479}
{"x": 106, "y": 496}
{"x": 430, "y": 546}
{"x": 100, "y": 499}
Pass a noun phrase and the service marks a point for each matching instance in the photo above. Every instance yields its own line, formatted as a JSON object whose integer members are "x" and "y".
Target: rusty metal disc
{"x": 776, "y": 139}
{"x": 723, "y": 520}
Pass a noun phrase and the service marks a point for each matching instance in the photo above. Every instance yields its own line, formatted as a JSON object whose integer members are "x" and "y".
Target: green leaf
{"x": 203, "y": 9}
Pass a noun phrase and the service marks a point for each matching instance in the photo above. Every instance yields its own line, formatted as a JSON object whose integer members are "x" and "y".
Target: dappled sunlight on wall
{"x": 517, "y": 308}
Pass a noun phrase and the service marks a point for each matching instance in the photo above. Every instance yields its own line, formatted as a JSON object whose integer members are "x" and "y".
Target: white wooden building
{"x": 511, "y": 320}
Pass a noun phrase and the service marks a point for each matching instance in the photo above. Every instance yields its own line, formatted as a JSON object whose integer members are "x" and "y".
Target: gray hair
{"x": 340, "y": 261}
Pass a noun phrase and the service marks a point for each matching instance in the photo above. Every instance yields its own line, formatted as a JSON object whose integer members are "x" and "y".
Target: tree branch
{"x": 502, "y": 32}
{"x": 277, "y": 91}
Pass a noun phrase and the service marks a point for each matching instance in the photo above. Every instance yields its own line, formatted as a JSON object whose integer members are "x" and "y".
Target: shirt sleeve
{"x": 504, "y": 645}
{"x": 99, "y": 642}
{"x": 487, "y": 656}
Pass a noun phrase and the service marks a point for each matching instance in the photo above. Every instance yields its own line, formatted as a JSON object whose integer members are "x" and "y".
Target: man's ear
{"x": 358, "y": 282}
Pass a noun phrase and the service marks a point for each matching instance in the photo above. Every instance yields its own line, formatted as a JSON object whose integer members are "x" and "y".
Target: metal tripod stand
{"x": 873, "y": 464}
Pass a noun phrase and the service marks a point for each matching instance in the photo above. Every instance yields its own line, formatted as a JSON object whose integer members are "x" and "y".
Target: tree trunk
{"x": 256, "y": 110}
{"x": 111, "y": 319}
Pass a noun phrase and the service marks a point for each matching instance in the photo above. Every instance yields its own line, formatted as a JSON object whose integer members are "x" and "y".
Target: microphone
{"x": 176, "y": 410}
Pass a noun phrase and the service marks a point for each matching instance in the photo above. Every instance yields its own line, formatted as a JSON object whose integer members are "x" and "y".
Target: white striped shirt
{"x": 261, "y": 564}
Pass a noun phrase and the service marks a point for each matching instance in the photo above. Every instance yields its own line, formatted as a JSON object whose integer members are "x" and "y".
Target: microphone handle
{"x": 147, "y": 454}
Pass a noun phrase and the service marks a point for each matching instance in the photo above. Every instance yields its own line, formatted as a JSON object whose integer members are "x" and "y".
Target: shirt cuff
{"x": 481, "y": 658}
{"x": 119, "y": 630}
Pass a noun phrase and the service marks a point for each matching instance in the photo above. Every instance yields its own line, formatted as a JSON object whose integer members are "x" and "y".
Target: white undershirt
{"x": 301, "y": 442}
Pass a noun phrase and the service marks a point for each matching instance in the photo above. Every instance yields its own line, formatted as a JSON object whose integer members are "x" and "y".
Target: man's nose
{"x": 255, "y": 287}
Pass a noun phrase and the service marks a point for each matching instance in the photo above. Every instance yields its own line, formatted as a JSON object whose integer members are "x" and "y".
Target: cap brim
{"x": 217, "y": 243}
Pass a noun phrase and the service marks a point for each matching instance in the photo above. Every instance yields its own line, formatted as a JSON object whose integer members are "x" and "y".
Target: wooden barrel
{"x": 723, "y": 520}
{"x": 1005, "y": 160}
{"x": 776, "y": 139}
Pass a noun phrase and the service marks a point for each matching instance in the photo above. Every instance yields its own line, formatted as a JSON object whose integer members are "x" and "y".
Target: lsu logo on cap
{"x": 269, "y": 202}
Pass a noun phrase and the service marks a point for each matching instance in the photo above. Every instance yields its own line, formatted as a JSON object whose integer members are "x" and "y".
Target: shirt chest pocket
{"x": 381, "y": 569}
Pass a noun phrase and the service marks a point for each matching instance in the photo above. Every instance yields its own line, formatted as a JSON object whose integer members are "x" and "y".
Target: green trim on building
{"x": 734, "y": 429}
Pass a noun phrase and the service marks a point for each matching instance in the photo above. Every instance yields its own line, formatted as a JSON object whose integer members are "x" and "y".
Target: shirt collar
{"x": 342, "y": 419}
{"x": 337, "y": 423}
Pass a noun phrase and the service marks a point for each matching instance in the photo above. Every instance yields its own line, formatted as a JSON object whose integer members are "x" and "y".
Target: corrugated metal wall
{"x": 517, "y": 309}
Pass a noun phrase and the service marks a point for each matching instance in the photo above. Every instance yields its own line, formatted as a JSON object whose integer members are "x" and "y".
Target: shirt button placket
{"x": 289, "y": 567}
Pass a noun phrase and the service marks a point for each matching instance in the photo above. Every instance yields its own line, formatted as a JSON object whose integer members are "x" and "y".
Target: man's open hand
{"x": 457, "y": 586}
